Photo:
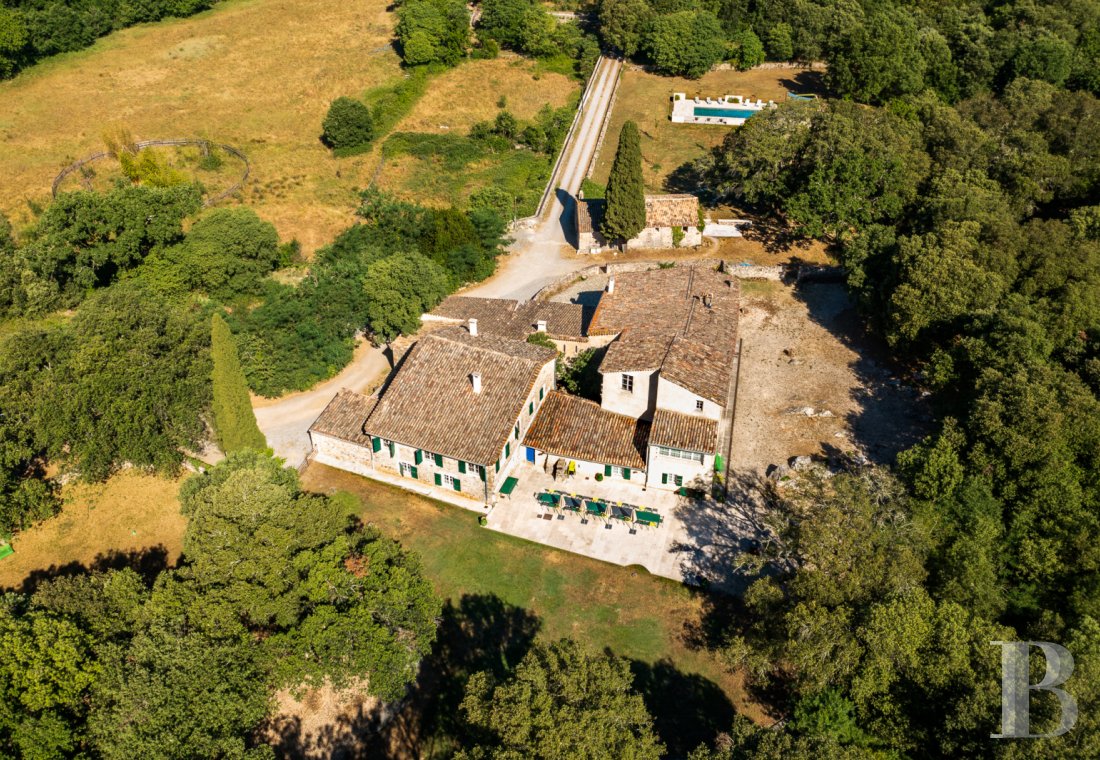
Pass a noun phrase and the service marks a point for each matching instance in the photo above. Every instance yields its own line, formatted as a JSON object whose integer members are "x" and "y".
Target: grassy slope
{"x": 625, "y": 609}
{"x": 258, "y": 74}
{"x": 455, "y": 101}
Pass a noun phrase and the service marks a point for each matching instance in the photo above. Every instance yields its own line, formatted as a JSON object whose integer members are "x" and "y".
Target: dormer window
{"x": 628, "y": 383}
{"x": 698, "y": 405}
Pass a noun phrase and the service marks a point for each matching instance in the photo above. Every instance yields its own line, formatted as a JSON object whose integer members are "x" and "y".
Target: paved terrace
{"x": 697, "y": 540}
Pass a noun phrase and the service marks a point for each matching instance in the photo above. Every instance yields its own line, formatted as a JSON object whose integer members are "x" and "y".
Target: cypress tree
{"x": 234, "y": 422}
{"x": 624, "y": 216}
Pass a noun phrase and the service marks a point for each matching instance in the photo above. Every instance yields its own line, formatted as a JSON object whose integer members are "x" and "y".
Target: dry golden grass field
{"x": 455, "y": 101}
{"x": 130, "y": 513}
{"x": 257, "y": 74}
{"x": 469, "y": 93}
{"x": 645, "y": 98}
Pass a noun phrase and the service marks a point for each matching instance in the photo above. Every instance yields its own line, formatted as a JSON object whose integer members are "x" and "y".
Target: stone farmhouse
{"x": 671, "y": 221}
{"x": 473, "y": 404}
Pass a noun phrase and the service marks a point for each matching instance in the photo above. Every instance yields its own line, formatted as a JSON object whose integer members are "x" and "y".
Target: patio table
{"x": 648, "y": 518}
{"x": 595, "y": 507}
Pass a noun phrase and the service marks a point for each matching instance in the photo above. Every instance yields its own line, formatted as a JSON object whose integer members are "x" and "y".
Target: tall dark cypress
{"x": 624, "y": 216}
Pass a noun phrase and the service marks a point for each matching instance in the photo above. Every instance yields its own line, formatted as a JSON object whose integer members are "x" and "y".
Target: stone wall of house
{"x": 341, "y": 454}
{"x": 691, "y": 473}
{"x": 392, "y": 455}
{"x": 679, "y": 399}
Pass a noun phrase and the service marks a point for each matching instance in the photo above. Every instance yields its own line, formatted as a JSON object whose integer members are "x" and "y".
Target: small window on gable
{"x": 628, "y": 383}
{"x": 699, "y": 405}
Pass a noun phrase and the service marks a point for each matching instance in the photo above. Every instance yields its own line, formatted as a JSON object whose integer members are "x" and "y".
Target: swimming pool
{"x": 729, "y": 113}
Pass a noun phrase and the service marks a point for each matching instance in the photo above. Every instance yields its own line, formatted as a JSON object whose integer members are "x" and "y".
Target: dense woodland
{"x": 954, "y": 175}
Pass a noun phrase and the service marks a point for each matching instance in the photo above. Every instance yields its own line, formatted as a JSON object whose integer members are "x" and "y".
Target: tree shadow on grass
{"x": 481, "y": 632}
{"x": 687, "y": 709}
{"x": 148, "y": 562}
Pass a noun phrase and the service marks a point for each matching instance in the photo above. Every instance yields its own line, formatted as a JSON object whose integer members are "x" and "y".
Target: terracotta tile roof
{"x": 430, "y": 404}
{"x": 635, "y": 353}
{"x": 702, "y": 368}
{"x": 344, "y": 416}
{"x": 570, "y": 426}
{"x": 677, "y": 210}
{"x": 683, "y": 431}
{"x": 514, "y": 319}
{"x": 693, "y": 310}
{"x": 589, "y": 214}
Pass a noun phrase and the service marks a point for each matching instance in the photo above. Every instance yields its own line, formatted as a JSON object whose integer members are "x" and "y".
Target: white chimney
{"x": 541, "y": 325}
{"x": 611, "y": 285}
{"x": 475, "y": 380}
{"x": 473, "y": 327}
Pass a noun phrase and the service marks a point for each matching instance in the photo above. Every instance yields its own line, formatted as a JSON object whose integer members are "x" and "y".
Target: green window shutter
{"x": 507, "y": 450}
{"x": 376, "y": 444}
{"x": 607, "y": 470}
{"x": 419, "y": 456}
{"x": 542, "y": 392}
{"x": 664, "y": 478}
{"x": 497, "y": 466}
{"x": 461, "y": 466}
{"x": 393, "y": 449}
{"x": 517, "y": 432}
{"x": 626, "y": 473}
{"x": 438, "y": 479}
{"x": 415, "y": 475}
{"x": 458, "y": 485}
{"x": 530, "y": 407}
{"x": 481, "y": 470}
{"x": 679, "y": 480}
{"x": 438, "y": 460}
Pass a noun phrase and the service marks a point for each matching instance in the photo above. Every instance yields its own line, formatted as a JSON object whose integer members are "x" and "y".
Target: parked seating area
{"x": 598, "y": 508}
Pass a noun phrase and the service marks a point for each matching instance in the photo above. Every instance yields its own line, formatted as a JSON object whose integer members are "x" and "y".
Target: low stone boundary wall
{"x": 797, "y": 273}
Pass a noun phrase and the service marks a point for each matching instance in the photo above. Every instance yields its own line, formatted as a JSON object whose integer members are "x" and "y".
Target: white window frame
{"x": 405, "y": 468}
{"x": 698, "y": 404}
{"x": 618, "y": 472}
{"x": 447, "y": 480}
{"x": 668, "y": 451}
{"x": 628, "y": 383}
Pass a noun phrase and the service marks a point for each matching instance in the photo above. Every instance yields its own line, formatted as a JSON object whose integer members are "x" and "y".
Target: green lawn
{"x": 503, "y": 590}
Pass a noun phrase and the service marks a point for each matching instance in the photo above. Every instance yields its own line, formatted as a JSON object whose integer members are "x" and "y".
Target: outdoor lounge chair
{"x": 648, "y": 518}
{"x": 572, "y": 503}
{"x": 594, "y": 507}
{"x": 549, "y": 499}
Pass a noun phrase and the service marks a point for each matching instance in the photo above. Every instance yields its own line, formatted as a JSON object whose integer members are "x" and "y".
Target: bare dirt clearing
{"x": 811, "y": 382}
{"x": 256, "y": 74}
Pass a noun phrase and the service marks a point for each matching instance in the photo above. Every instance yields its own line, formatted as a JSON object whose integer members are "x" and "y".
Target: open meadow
{"x": 447, "y": 173}
{"x": 130, "y": 520}
{"x": 256, "y": 74}
{"x": 645, "y": 99}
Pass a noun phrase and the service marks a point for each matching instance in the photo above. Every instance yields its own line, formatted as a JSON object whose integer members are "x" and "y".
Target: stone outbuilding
{"x": 672, "y": 221}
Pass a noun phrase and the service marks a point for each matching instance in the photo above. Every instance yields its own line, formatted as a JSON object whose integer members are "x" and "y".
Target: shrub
{"x": 348, "y": 124}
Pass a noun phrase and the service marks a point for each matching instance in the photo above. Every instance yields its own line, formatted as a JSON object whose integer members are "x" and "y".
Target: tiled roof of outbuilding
{"x": 570, "y": 426}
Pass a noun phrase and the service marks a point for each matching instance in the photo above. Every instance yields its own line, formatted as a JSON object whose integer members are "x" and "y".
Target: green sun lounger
{"x": 550, "y": 499}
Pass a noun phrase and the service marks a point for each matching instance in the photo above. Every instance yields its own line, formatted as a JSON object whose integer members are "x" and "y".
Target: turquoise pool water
{"x": 729, "y": 113}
